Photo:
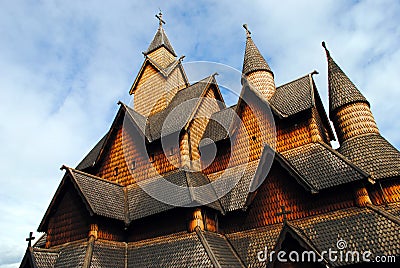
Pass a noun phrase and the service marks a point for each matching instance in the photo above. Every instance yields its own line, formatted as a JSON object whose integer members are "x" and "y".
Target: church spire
{"x": 348, "y": 108}
{"x": 160, "y": 38}
{"x": 253, "y": 60}
{"x": 256, "y": 69}
{"x": 341, "y": 90}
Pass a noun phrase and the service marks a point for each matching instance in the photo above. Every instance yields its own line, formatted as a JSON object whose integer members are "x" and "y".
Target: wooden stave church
{"x": 100, "y": 217}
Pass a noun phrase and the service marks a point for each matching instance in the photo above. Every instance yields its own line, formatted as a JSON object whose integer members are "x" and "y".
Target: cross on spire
{"x": 248, "y": 33}
{"x": 30, "y": 239}
{"x": 159, "y": 17}
{"x": 283, "y": 212}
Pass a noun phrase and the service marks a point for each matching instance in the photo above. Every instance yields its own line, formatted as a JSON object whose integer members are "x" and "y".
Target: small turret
{"x": 160, "y": 77}
{"x": 256, "y": 69}
{"x": 349, "y": 110}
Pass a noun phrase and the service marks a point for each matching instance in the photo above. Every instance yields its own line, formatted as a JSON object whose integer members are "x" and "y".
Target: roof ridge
{"x": 89, "y": 252}
{"x": 306, "y": 239}
{"x": 385, "y": 214}
{"x": 298, "y": 78}
{"x": 344, "y": 159}
{"x": 207, "y": 247}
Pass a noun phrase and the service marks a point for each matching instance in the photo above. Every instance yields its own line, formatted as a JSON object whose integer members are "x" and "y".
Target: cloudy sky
{"x": 65, "y": 64}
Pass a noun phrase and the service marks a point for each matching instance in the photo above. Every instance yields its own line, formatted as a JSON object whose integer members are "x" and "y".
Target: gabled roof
{"x": 341, "y": 90}
{"x": 151, "y": 127}
{"x": 190, "y": 94}
{"x": 135, "y": 118}
{"x": 91, "y": 157}
{"x": 218, "y": 248}
{"x": 160, "y": 39}
{"x": 304, "y": 243}
{"x": 39, "y": 258}
{"x": 362, "y": 230}
{"x": 248, "y": 243}
{"x": 216, "y": 127}
{"x": 243, "y": 174}
{"x": 253, "y": 60}
{"x": 99, "y": 196}
{"x": 295, "y": 96}
{"x": 104, "y": 197}
{"x": 112, "y": 200}
{"x": 141, "y": 204}
{"x": 373, "y": 154}
{"x": 314, "y": 166}
{"x": 322, "y": 167}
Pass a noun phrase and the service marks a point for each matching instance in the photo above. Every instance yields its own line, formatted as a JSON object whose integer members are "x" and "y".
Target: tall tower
{"x": 256, "y": 69}
{"x": 160, "y": 77}
{"x": 349, "y": 110}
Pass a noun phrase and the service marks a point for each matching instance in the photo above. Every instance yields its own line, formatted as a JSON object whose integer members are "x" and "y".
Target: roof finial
{"x": 29, "y": 239}
{"x": 326, "y": 50}
{"x": 159, "y": 17}
{"x": 248, "y": 33}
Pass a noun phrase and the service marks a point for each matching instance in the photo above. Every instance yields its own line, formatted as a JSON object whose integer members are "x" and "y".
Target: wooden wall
{"x": 149, "y": 96}
{"x": 172, "y": 221}
{"x": 110, "y": 229}
{"x": 154, "y": 91}
{"x": 280, "y": 189}
{"x": 390, "y": 194}
{"x": 162, "y": 57}
{"x": 69, "y": 221}
{"x": 125, "y": 149}
{"x": 264, "y": 82}
{"x": 206, "y": 108}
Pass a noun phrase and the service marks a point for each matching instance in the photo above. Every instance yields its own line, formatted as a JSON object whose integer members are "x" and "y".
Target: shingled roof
{"x": 362, "y": 229}
{"x": 91, "y": 157}
{"x": 243, "y": 174}
{"x": 219, "y": 125}
{"x": 322, "y": 167}
{"x": 253, "y": 60}
{"x": 160, "y": 39}
{"x": 108, "y": 199}
{"x": 295, "y": 96}
{"x": 373, "y": 154}
{"x": 341, "y": 90}
{"x": 196, "y": 249}
{"x": 155, "y": 122}
{"x": 248, "y": 243}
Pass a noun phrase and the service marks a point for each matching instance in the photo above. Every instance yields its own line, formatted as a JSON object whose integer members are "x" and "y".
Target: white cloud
{"x": 65, "y": 65}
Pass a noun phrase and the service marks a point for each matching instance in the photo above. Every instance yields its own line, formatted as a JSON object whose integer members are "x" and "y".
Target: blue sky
{"x": 65, "y": 64}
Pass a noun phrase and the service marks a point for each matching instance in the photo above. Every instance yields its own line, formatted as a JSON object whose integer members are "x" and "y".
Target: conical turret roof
{"x": 341, "y": 90}
{"x": 253, "y": 60}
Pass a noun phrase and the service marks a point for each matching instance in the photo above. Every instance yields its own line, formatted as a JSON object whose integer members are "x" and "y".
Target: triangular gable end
{"x": 298, "y": 249}
{"x": 57, "y": 198}
{"x": 118, "y": 121}
{"x": 165, "y": 72}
